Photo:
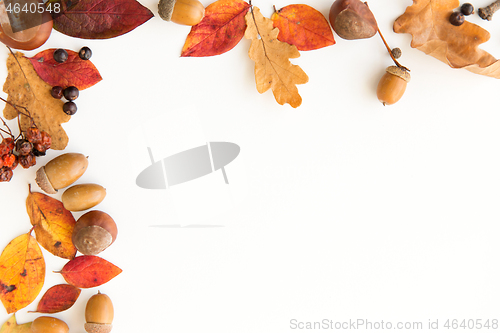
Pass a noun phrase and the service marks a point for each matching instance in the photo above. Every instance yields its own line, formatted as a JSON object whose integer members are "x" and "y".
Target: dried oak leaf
{"x": 303, "y": 26}
{"x": 89, "y": 271}
{"x": 273, "y": 68}
{"x": 58, "y": 298}
{"x": 53, "y": 224}
{"x": 11, "y": 326}
{"x": 73, "y": 72}
{"x": 221, "y": 29}
{"x": 99, "y": 19}
{"x": 30, "y": 91}
{"x": 22, "y": 272}
{"x": 458, "y": 46}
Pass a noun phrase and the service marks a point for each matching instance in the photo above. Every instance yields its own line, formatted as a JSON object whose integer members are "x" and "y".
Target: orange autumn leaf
{"x": 11, "y": 326}
{"x": 89, "y": 271}
{"x": 58, "y": 298}
{"x": 458, "y": 46}
{"x": 53, "y": 224}
{"x": 220, "y": 30}
{"x": 273, "y": 68}
{"x": 303, "y": 26}
{"x": 22, "y": 273}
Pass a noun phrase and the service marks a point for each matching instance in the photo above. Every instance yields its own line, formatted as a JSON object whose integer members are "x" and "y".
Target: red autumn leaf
{"x": 220, "y": 30}
{"x": 89, "y": 271}
{"x": 99, "y": 19}
{"x": 58, "y": 298}
{"x": 73, "y": 72}
{"x": 303, "y": 26}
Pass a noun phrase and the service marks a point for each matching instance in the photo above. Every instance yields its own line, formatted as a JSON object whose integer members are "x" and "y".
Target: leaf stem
{"x": 389, "y": 50}
{"x": 387, "y": 46}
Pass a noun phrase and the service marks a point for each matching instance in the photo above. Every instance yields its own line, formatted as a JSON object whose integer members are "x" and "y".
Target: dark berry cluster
{"x": 22, "y": 150}
{"x": 458, "y": 18}
{"x": 69, "y": 93}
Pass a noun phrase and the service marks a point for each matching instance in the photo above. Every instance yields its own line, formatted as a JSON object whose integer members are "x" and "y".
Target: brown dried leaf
{"x": 30, "y": 91}
{"x": 273, "y": 68}
{"x": 428, "y": 23}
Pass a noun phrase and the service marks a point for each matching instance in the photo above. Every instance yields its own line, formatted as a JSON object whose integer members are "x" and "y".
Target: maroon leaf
{"x": 58, "y": 298}
{"x": 99, "y": 19}
{"x": 73, "y": 72}
{"x": 89, "y": 271}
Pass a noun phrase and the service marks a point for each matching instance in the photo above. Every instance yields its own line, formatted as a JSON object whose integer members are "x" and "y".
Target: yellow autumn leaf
{"x": 22, "y": 273}
{"x": 27, "y": 89}
{"x": 458, "y": 46}
{"x": 53, "y": 224}
{"x": 273, "y": 68}
{"x": 11, "y": 326}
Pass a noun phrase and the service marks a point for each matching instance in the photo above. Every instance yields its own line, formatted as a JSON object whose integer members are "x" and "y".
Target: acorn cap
{"x": 43, "y": 181}
{"x": 165, "y": 9}
{"x": 98, "y": 328}
{"x": 399, "y": 72}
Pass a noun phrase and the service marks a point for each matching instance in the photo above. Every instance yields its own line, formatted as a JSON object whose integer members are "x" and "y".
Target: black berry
{"x": 85, "y": 53}
{"x": 467, "y": 9}
{"x": 57, "y": 92}
{"x": 457, "y": 18}
{"x": 60, "y": 55}
{"x": 71, "y": 93}
{"x": 69, "y": 108}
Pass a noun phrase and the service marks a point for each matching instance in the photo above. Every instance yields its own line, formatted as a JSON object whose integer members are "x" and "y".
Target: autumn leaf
{"x": 272, "y": 65}
{"x": 89, "y": 271}
{"x": 11, "y": 326}
{"x": 22, "y": 273}
{"x": 303, "y": 26}
{"x": 99, "y": 19}
{"x": 73, "y": 72}
{"x": 58, "y": 298}
{"x": 458, "y": 46}
{"x": 53, "y": 224}
{"x": 30, "y": 91}
{"x": 220, "y": 30}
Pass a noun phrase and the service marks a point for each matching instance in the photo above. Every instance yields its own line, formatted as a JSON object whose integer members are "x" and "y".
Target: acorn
{"x": 99, "y": 314}
{"x": 61, "y": 172}
{"x": 392, "y": 85}
{"x": 185, "y": 12}
{"x": 94, "y": 232}
{"x": 82, "y": 197}
{"x": 46, "y": 324}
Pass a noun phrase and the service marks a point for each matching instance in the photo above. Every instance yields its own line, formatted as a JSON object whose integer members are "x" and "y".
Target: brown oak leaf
{"x": 273, "y": 68}
{"x": 458, "y": 46}
{"x": 28, "y": 90}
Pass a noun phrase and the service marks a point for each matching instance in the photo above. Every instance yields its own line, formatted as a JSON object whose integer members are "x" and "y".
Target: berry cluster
{"x": 28, "y": 146}
{"x": 458, "y": 18}
{"x": 70, "y": 93}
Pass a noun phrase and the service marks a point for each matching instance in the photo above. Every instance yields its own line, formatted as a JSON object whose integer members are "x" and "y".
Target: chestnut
{"x": 46, "y": 324}
{"x": 94, "y": 232}
{"x": 352, "y": 19}
{"x": 28, "y": 39}
{"x": 99, "y": 314}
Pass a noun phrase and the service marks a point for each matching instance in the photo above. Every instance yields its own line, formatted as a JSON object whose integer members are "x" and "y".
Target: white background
{"x": 340, "y": 209}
